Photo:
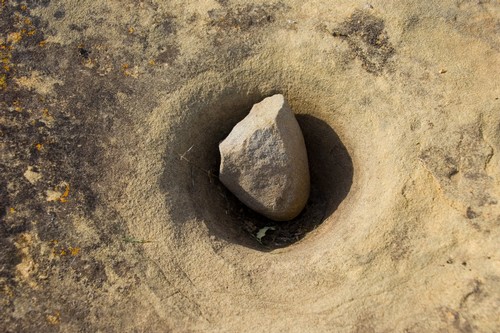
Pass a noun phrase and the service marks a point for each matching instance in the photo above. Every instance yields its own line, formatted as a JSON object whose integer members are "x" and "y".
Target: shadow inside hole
{"x": 331, "y": 172}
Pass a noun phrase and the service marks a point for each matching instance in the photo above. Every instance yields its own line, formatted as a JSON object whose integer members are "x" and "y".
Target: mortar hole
{"x": 331, "y": 172}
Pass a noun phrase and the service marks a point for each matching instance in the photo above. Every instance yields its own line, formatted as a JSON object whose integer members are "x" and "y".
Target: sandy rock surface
{"x": 264, "y": 161}
{"x": 116, "y": 110}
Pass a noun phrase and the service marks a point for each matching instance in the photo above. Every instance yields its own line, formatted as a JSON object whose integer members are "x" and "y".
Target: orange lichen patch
{"x": 54, "y": 319}
{"x": 89, "y": 63}
{"x": 3, "y": 81}
{"x": 5, "y": 63}
{"x": 65, "y": 195}
{"x": 74, "y": 251}
{"x": 125, "y": 69}
{"x": 57, "y": 195}
{"x": 14, "y": 37}
{"x": 12, "y": 210}
{"x": 47, "y": 117}
{"x": 131, "y": 30}
{"x": 61, "y": 251}
{"x": 5, "y": 56}
{"x": 130, "y": 71}
{"x": 5, "y": 47}
{"x": 39, "y": 146}
{"x": 42, "y": 43}
{"x": 16, "y": 105}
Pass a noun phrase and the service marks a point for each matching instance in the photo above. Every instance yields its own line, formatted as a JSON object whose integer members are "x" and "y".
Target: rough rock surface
{"x": 102, "y": 98}
{"x": 264, "y": 161}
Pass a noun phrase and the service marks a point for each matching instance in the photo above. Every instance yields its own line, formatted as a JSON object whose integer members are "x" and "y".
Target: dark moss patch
{"x": 61, "y": 135}
{"x": 78, "y": 28}
{"x": 90, "y": 272}
{"x": 169, "y": 27}
{"x": 59, "y": 14}
{"x": 8, "y": 256}
{"x": 367, "y": 40}
{"x": 223, "y": 2}
{"x": 84, "y": 52}
{"x": 37, "y": 3}
{"x": 168, "y": 54}
{"x": 244, "y": 18}
{"x": 471, "y": 214}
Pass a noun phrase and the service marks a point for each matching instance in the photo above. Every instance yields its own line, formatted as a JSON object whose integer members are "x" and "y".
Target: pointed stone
{"x": 264, "y": 161}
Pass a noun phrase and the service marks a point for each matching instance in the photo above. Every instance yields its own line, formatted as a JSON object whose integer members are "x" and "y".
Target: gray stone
{"x": 264, "y": 161}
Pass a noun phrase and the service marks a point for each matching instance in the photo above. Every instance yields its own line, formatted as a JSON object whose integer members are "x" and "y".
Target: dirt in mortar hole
{"x": 331, "y": 172}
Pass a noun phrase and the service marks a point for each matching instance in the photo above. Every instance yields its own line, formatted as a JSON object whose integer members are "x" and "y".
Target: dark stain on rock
{"x": 474, "y": 19}
{"x": 474, "y": 295}
{"x": 8, "y": 256}
{"x": 168, "y": 54}
{"x": 448, "y": 166}
{"x": 367, "y": 40}
{"x": 90, "y": 272}
{"x": 169, "y": 26}
{"x": 223, "y": 2}
{"x": 228, "y": 27}
{"x": 84, "y": 52}
{"x": 76, "y": 27}
{"x": 464, "y": 156}
{"x": 244, "y": 18}
{"x": 456, "y": 319}
{"x": 37, "y": 3}
{"x": 59, "y": 14}
{"x": 400, "y": 244}
{"x": 471, "y": 214}
{"x": 4, "y": 197}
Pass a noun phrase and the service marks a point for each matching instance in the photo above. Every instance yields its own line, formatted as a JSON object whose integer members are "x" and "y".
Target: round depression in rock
{"x": 323, "y": 162}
